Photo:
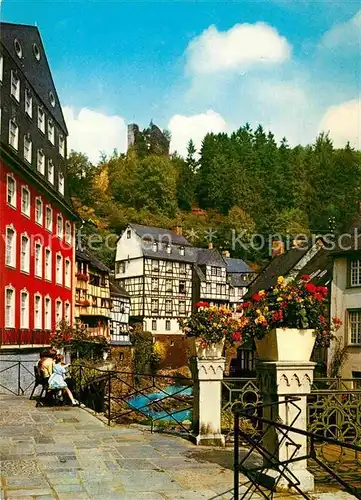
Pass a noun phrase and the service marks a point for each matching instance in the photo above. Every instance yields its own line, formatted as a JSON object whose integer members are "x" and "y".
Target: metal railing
{"x": 17, "y": 377}
{"x": 258, "y": 460}
{"x": 20, "y": 337}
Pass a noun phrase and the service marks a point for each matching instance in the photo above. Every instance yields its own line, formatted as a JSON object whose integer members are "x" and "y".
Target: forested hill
{"x": 242, "y": 181}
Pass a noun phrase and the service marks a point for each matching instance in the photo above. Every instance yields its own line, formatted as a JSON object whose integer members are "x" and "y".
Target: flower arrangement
{"x": 82, "y": 276}
{"x": 290, "y": 304}
{"x": 212, "y": 324}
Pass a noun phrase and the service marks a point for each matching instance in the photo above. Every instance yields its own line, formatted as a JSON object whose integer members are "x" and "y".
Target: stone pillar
{"x": 279, "y": 379}
{"x": 207, "y": 376}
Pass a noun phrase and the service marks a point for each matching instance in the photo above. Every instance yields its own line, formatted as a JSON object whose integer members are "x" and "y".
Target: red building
{"x": 37, "y": 248}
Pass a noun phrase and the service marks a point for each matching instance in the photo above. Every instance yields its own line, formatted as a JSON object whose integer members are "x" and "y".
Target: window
{"x": 168, "y": 306}
{"x": 59, "y": 226}
{"x": 41, "y": 120}
{"x": 18, "y": 48}
{"x": 37, "y": 312}
{"x": 25, "y": 254}
{"x": 15, "y": 86}
{"x": 213, "y": 271}
{"x": 169, "y": 267}
{"x": 154, "y": 325}
{"x": 155, "y": 306}
{"x": 47, "y": 322}
{"x": 167, "y": 325}
{"x": 68, "y": 232}
{"x": 155, "y": 284}
{"x": 11, "y": 191}
{"x": 49, "y": 218}
{"x": 25, "y": 201}
{"x": 1, "y": 68}
{"x": 67, "y": 312}
{"x": 10, "y": 258}
{"x": 155, "y": 266}
{"x": 39, "y": 211}
{"x": 181, "y": 251}
{"x": 355, "y": 327}
{"x": 155, "y": 247}
{"x": 61, "y": 145}
{"x": 58, "y": 312}
{"x": 355, "y": 268}
{"x": 38, "y": 260}
{"x": 67, "y": 273}
{"x": 51, "y": 131}
{"x": 48, "y": 264}
{"x": 182, "y": 287}
{"x": 52, "y": 99}
{"x": 61, "y": 183}
{"x": 357, "y": 380}
{"x": 121, "y": 267}
{"x": 219, "y": 271}
{"x": 27, "y": 148}
{"x": 182, "y": 268}
{"x": 168, "y": 248}
{"x": 182, "y": 307}
{"x": 13, "y": 134}
{"x": 36, "y": 52}
{"x": 9, "y": 307}
{"x": 24, "y": 309}
{"x": 28, "y": 103}
{"x": 208, "y": 288}
{"x": 59, "y": 269}
{"x": 168, "y": 286}
{"x": 50, "y": 171}
{"x": 41, "y": 162}
{"x": 129, "y": 234}
{"x": 218, "y": 289}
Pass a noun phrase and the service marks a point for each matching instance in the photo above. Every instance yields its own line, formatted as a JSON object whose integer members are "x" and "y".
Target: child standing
{"x": 57, "y": 379}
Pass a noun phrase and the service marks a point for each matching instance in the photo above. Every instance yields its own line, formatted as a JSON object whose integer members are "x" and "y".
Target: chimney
{"x": 210, "y": 245}
{"x": 226, "y": 254}
{"x": 178, "y": 230}
{"x": 278, "y": 248}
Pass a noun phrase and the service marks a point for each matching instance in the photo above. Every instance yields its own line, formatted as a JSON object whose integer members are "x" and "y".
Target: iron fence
{"x": 19, "y": 337}
{"x": 16, "y": 377}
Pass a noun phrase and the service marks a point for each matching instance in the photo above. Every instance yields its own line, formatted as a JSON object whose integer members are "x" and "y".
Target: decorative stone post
{"x": 207, "y": 376}
{"x": 279, "y": 379}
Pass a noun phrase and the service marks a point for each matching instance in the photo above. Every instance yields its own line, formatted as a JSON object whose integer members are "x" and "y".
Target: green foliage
{"x": 145, "y": 357}
{"x": 81, "y": 344}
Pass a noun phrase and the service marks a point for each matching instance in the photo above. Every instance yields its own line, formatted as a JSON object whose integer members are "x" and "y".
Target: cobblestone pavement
{"x": 66, "y": 453}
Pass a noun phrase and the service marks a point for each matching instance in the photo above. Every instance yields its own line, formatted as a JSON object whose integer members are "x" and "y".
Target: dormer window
{"x": 155, "y": 247}
{"x": 50, "y": 171}
{"x": 41, "y": 162}
{"x": 181, "y": 251}
{"x": 13, "y": 134}
{"x": 61, "y": 145}
{"x": 36, "y": 52}
{"x": 168, "y": 248}
{"x": 51, "y": 131}
{"x": 15, "y": 85}
{"x": 27, "y": 148}
{"x": 129, "y": 234}
{"x": 41, "y": 120}
{"x": 18, "y": 48}
{"x": 61, "y": 183}
{"x": 28, "y": 103}
{"x": 52, "y": 99}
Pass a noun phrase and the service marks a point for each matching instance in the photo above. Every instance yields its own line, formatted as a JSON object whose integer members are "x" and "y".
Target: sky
{"x": 192, "y": 67}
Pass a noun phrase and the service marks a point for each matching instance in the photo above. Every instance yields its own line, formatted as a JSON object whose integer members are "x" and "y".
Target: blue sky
{"x": 117, "y": 62}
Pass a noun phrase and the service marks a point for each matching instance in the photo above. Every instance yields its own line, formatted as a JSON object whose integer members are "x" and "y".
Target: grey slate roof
{"x": 209, "y": 257}
{"x": 117, "y": 290}
{"x": 320, "y": 268}
{"x": 159, "y": 234}
{"x": 85, "y": 255}
{"x": 237, "y": 265}
{"x": 190, "y": 254}
{"x": 241, "y": 279}
{"x": 37, "y": 73}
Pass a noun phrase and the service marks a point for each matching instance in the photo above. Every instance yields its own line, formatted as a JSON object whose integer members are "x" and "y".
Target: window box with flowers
{"x": 288, "y": 320}
{"x": 209, "y": 328}
{"x": 83, "y": 302}
{"x": 82, "y": 277}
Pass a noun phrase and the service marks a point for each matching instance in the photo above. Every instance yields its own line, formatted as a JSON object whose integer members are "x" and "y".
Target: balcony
{"x": 20, "y": 337}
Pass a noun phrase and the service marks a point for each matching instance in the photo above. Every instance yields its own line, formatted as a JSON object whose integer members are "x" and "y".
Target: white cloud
{"x": 195, "y": 127}
{"x": 344, "y": 123}
{"x": 344, "y": 34}
{"x": 236, "y": 49}
{"x": 92, "y": 132}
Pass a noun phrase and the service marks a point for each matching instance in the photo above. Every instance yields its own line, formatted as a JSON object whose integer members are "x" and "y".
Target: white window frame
{"x": 154, "y": 325}
{"x": 182, "y": 303}
{"x": 168, "y": 323}
{"x": 10, "y": 319}
{"x": 41, "y": 119}
{"x": 28, "y": 103}
{"x": 51, "y": 131}
{"x": 39, "y": 211}
{"x": 48, "y": 223}
{"x": 28, "y": 148}
{"x": 13, "y": 134}
{"x": 25, "y": 256}
{"x": 40, "y": 161}
{"x": 12, "y": 252}
{"x": 25, "y": 210}
{"x": 15, "y": 85}
{"x": 67, "y": 272}
{"x": 24, "y": 311}
{"x": 61, "y": 186}
{"x": 67, "y": 310}
{"x": 61, "y": 145}
{"x": 50, "y": 171}
{"x": 48, "y": 264}
{"x": 1, "y": 68}
{"x": 59, "y": 229}
{"x": 38, "y": 260}
{"x": 154, "y": 310}
{"x": 68, "y": 232}
{"x": 12, "y": 201}
{"x": 59, "y": 269}
{"x": 47, "y": 312}
{"x": 355, "y": 273}
{"x": 168, "y": 302}
{"x": 58, "y": 312}
{"x": 354, "y": 327}
{"x": 38, "y": 318}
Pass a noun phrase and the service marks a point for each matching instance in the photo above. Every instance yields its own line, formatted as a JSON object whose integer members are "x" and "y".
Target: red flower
{"x": 319, "y": 297}
{"x": 284, "y": 304}
{"x": 237, "y": 336}
{"x": 277, "y": 316}
{"x": 202, "y": 304}
{"x": 245, "y": 305}
{"x": 322, "y": 289}
{"x": 256, "y": 297}
{"x": 322, "y": 319}
{"x": 305, "y": 277}
{"x": 310, "y": 287}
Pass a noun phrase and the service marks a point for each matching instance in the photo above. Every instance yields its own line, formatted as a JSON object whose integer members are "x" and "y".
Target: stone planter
{"x": 286, "y": 344}
{"x": 212, "y": 351}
